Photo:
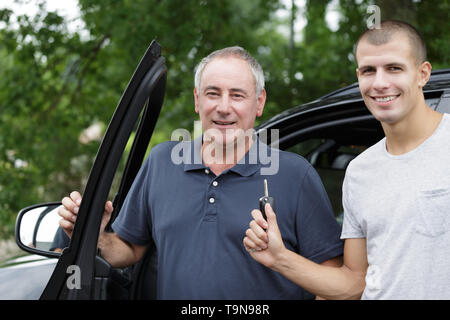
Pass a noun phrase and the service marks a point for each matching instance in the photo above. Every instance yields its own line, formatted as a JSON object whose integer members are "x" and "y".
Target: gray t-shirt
{"x": 401, "y": 205}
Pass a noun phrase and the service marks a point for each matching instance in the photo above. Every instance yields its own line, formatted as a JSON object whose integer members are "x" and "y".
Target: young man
{"x": 194, "y": 212}
{"x": 396, "y": 194}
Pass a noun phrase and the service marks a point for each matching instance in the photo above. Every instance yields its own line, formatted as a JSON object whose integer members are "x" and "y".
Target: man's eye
{"x": 212, "y": 94}
{"x": 395, "y": 68}
{"x": 367, "y": 71}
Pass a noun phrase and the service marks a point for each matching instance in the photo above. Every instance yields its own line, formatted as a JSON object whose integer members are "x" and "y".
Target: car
{"x": 329, "y": 132}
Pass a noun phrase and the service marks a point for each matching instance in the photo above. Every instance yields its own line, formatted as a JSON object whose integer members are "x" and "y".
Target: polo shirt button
{"x": 215, "y": 183}
{"x": 212, "y": 200}
{"x": 206, "y": 171}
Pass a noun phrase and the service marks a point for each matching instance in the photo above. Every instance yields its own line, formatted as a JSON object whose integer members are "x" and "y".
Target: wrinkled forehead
{"x": 227, "y": 68}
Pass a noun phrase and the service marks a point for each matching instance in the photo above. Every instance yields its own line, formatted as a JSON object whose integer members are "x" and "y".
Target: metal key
{"x": 266, "y": 199}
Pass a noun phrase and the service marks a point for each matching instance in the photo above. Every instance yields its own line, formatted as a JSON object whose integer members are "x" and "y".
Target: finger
{"x": 250, "y": 246}
{"x": 67, "y": 227}
{"x": 258, "y": 217}
{"x": 258, "y": 243}
{"x": 258, "y": 231}
{"x": 76, "y": 197}
{"x": 70, "y": 205}
{"x": 108, "y": 211}
{"x": 106, "y": 214}
{"x": 271, "y": 217}
{"x": 109, "y": 207}
{"x": 66, "y": 214}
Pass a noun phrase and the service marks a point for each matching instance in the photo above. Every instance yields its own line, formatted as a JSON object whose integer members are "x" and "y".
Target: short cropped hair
{"x": 237, "y": 52}
{"x": 382, "y": 35}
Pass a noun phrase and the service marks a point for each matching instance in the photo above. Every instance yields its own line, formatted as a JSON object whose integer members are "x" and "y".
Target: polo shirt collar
{"x": 246, "y": 167}
{"x": 194, "y": 161}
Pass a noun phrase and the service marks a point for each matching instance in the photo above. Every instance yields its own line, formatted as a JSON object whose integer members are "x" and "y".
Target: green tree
{"x": 55, "y": 83}
{"x": 38, "y": 118}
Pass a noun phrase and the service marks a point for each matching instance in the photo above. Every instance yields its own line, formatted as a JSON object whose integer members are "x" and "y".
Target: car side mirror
{"x": 38, "y": 231}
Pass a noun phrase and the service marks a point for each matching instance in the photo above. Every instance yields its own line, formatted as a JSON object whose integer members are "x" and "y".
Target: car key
{"x": 266, "y": 199}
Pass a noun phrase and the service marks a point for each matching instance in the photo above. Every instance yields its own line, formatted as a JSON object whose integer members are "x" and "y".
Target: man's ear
{"x": 424, "y": 73}
{"x": 357, "y": 73}
{"x": 196, "y": 100}
{"x": 261, "y": 102}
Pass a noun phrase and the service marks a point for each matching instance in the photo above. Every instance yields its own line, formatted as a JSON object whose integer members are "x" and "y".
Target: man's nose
{"x": 381, "y": 80}
{"x": 224, "y": 104}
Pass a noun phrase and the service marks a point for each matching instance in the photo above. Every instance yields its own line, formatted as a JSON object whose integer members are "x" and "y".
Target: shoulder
{"x": 164, "y": 150}
{"x": 159, "y": 155}
{"x": 446, "y": 122}
{"x": 294, "y": 159}
{"x": 293, "y": 165}
{"x": 368, "y": 157}
{"x": 164, "y": 147}
{"x": 287, "y": 159}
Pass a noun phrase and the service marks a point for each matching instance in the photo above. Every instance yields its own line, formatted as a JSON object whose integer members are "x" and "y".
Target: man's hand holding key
{"x": 263, "y": 239}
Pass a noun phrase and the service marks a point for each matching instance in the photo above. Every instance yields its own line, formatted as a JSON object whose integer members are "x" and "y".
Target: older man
{"x": 195, "y": 211}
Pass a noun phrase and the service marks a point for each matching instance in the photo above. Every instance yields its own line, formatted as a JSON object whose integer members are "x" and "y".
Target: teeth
{"x": 385, "y": 99}
{"x": 223, "y": 123}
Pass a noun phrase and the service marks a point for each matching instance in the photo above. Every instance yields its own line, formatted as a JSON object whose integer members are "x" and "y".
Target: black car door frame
{"x": 147, "y": 84}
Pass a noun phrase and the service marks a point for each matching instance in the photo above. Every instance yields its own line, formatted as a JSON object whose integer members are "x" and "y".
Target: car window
{"x": 120, "y": 173}
{"x": 123, "y": 160}
{"x": 330, "y": 159}
{"x": 443, "y": 105}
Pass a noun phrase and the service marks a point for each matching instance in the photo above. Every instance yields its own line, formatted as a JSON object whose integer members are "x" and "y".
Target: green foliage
{"x": 187, "y": 30}
{"x": 41, "y": 111}
{"x": 55, "y": 83}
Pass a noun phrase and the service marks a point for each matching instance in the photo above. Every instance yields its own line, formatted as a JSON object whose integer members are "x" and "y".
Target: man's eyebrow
{"x": 365, "y": 67}
{"x": 395, "y": 64}
{"x": 238, "y": 90}
{"x": 234, "y": 90}
{"x": 392, "y": 64}
{"x": 211, "y": 88}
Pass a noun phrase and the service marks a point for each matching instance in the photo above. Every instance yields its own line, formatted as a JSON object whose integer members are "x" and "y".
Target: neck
{"x": 407, "y": 134}
{"x": 220, "y": 157}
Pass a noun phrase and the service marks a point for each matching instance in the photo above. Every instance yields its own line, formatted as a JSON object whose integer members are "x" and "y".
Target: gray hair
{"x": 237, "y": 52}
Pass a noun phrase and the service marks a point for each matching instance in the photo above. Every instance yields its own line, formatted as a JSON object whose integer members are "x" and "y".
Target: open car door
{"x": 142, "y": 99}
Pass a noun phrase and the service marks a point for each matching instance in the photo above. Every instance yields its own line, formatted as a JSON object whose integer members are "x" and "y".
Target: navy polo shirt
{"x": 197, "y": 221}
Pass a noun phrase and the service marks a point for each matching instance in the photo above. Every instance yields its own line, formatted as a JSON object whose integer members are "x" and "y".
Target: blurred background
{"x": 64, "y": 65}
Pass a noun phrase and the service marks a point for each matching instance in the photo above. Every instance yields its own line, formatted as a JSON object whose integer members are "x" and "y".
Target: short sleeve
{"x": 351, "y": 228}
{"x": 133, "y": 223}
{"x": 317, "y": 228}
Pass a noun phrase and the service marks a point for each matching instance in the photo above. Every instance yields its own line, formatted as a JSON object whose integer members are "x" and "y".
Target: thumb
{"x": 271, "y": 218}
{"x": 109, "y": 207}
{"x": 106, "y": 215}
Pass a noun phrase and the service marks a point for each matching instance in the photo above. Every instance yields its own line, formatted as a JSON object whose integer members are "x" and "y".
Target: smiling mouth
{"x": 385, "y": 98}
{"x": 224, "y": 123}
